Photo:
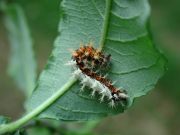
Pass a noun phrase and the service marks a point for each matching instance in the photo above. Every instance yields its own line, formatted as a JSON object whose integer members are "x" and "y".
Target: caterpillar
{"x": 88, "y": 63}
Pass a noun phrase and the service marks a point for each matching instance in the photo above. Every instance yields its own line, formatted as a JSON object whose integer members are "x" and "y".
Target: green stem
{"x": 106, "y": 23}
{"x": 17, "y": 124}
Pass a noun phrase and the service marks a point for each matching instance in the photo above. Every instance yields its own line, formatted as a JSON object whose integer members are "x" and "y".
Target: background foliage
{"x": 151, "y": 109}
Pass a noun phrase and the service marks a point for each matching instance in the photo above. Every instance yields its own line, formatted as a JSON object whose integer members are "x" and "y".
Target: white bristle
{"x": 105, "y": 76}
{"x": 82, "y": 87}
{"x": 112, "y": 104}
{"x": 95, "y": 85}
{"x": 93, "y": 93}
{"x": 77, "y": 73}
{"x": 102, "y": 98}
{"x": 103, "y": 90}
{"x": 71, "y": 63}
{"x": 123, "y": 95}
{"x": 114, "y": 82}
{"x": 85, "y": 80}
{"x": 110, "y": 98}
{"x": 116, "y": 96}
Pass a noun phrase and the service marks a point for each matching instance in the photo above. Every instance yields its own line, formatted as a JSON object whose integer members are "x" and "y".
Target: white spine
{"x": 95, "y": 85}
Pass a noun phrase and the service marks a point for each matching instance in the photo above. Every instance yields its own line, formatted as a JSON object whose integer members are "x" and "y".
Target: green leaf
{"x": 4, "y": 120}
{"x": 22, "y": 65}
{"x": 118, "y": 27}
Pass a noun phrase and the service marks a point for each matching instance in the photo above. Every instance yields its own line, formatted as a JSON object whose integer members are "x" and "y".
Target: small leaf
{"x": 22, "y": 65}
{"x": 118, "y": 27}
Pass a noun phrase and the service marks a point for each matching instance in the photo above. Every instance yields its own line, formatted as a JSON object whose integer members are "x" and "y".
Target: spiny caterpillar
{"x": 87, "y": 63}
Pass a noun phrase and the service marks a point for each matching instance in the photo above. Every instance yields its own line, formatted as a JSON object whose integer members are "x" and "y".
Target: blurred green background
{"x": 154, "y": 114}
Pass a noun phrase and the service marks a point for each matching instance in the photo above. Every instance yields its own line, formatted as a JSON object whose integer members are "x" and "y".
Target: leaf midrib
{"x": 105, "y": 24}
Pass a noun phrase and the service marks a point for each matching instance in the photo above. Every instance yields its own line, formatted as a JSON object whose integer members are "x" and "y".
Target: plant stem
{"x": 17, "y": 124}
{"x": 106, "y": 23}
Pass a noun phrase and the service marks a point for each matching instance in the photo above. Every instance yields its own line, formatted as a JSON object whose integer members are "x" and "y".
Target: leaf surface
{"x": 118, "y": 27}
